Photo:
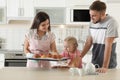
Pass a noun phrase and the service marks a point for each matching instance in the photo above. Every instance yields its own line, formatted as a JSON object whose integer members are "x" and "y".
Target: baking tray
{"x": 49, "y": 59}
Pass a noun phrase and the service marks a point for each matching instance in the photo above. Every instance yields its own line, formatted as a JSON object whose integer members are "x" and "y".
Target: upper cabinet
{"x": 54, "y": 8}
{"x": 20, "y": 9}
{"x": 82, "y": 2}
{"x": 59, "y": 10}
{"x": 49, "y": 3}
{"x": 113, "y": 1}
{"x": 57, "y": 14}
{"x": 2, "y": 11}
{"x": 70, "y": 3}
{"x": 2, "y": 15}
{"x": 2, "y": 3}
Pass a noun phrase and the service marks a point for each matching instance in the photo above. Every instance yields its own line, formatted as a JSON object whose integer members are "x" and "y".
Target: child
{"x": 71, "y": 51}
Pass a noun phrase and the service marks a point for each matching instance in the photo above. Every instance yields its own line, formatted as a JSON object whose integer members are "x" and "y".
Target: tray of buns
{"x": 48, "y": 57}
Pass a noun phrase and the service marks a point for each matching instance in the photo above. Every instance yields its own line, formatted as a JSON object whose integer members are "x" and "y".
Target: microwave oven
{"x": 80, "y": 15}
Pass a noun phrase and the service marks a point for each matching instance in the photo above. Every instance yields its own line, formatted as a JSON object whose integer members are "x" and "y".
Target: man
{"x": 103, "y": 31}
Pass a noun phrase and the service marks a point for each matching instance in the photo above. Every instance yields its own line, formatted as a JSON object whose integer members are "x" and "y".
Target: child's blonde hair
{"x": 71, "y": 40}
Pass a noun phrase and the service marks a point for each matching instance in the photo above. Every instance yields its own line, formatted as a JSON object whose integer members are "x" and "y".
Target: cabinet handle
{"x": 20, "y": 11}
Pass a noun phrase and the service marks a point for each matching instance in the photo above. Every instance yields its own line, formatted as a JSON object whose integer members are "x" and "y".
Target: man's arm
{"x": 107, "y": 54}
{"x": 87, "y": 46}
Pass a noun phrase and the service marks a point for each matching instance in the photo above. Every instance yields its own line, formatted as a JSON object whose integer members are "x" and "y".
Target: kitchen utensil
{"x": 49, "y": 59}
{"x": 74, "y": 71}
{"x": 89, "y": 69}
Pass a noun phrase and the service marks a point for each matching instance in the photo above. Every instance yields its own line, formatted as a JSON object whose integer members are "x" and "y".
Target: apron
{"x": 39, "y": 45}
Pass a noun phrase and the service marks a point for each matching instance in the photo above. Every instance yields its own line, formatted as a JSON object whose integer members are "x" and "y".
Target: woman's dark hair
{"x": 39, "y": 18}
{"x": 98, "y": 6}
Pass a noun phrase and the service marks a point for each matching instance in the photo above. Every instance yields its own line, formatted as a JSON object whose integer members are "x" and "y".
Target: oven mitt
{"x": 29, "y": 55}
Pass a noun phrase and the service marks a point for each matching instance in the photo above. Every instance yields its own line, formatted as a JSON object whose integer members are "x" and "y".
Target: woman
{"x": 39, "y": 40}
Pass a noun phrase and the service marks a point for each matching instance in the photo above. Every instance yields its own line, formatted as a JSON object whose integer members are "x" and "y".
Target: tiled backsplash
{"x": 62, "y": 32}
{"x": 13, "y": 37}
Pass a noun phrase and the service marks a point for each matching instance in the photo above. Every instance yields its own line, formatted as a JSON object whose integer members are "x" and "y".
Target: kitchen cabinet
{"x": 2, "y": 3}
{"x": 54, "y": 8}
{"x": 82, "y": 2}
{"x": 2, "y": 11}
{"x": 57, "y": 14}
{"x": 113, "y": 1}
{"x": 78, "y": 2}
{"x": 49, "y": 3}
{"x": 2, "y": 15}
{"x": 2, "y": 60}
{"x": 20, "y": 9}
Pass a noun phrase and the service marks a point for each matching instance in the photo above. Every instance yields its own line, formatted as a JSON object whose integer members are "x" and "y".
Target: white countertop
{"x": 23, "y": 73}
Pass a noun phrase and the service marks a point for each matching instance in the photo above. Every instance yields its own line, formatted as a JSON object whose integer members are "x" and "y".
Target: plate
{"x": 49, "y": 59}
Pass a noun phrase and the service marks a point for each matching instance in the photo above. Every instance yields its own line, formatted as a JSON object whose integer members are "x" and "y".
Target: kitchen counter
{"x": 23, "y": 73}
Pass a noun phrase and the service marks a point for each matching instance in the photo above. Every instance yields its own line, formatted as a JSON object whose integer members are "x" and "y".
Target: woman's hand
{"x": 54, "y": 53}
{"x": 29, "y": 55}
{"x": 37, "y": 55}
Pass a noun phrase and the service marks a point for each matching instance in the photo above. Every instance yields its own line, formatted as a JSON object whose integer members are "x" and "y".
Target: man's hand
{"x": 102, "y": 70}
